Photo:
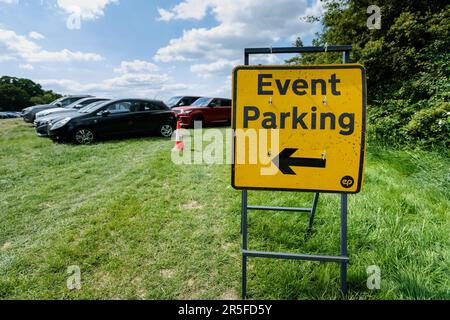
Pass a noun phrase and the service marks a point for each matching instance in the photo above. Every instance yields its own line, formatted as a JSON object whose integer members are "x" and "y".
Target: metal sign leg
{"x": 244, "y": 244}
{"x": 344, "y": 243}
{"x": 313, "y": 211}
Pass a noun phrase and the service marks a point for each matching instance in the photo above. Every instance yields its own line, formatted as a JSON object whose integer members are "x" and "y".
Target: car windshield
{"x": 75, "y": 105}
{"x": 173, "y": 101}
{"x": 202, "y": 102}
{"x": 92, "y": 107}
{"x": 56, "y": 101}
{"x": 84, "y": 103}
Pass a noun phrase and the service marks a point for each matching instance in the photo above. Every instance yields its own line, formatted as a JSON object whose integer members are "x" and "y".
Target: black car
{"x": 41, "y": 123}
{"x": 181, "y": 101}
{"x": 29, "y": 114}
{"x": 114, "y": 118}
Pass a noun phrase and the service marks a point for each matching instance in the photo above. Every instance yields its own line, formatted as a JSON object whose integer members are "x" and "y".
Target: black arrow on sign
{"x": 284, "y": 161}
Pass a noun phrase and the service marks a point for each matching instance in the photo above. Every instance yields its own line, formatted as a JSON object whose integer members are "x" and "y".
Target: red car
{"x": 205, "y": 110}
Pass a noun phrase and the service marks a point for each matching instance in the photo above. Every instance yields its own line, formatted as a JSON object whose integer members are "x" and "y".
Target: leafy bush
{"x": 430, "y": 127}
{"x": 407, "y": 63}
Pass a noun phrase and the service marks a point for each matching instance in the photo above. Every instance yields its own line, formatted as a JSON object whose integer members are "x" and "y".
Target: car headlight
{"x": 60, "y": 123}
{"x": 186, "y": 111}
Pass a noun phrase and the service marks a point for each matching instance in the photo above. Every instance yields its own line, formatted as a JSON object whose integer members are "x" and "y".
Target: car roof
{"x": 216, "y": 98}
{"x": 92, "y": 98}
{"x": 138, "y": 99}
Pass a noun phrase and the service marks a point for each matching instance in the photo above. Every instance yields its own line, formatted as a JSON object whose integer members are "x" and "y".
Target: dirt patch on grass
{"x": 167, "y": 273}
{"x": 227, "y": 246}
{"x": 193, "y": 205}
{"x": 229, "y": 295}
{"x": 6, "y": 246}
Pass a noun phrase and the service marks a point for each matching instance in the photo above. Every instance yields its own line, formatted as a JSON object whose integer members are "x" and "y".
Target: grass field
{"x": 140, "y": 227}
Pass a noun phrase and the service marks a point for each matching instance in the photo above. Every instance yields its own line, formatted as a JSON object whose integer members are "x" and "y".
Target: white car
{"x": 70, "y": 108}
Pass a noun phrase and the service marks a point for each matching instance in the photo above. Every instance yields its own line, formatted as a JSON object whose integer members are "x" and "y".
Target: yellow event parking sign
{"x": 299, "y": 127}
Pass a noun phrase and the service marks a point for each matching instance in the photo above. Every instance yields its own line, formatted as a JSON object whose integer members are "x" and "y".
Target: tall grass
{"x": 140, "y": 227}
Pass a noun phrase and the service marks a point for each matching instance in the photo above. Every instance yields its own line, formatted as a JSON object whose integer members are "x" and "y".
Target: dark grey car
{"x": 29, "y": 114}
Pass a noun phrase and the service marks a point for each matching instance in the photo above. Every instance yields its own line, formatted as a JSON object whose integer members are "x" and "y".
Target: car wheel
{"x": 196, "y": 119}
{"x": 166, "y": 130}
{"x": 84, "y": 136}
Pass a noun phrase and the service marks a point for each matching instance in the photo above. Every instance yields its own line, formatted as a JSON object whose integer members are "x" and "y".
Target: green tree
{"x": 46, "y": 98}
{"x": 18, "y": 93}
{"x": 31, "y": 88}
{"x": 12, "y": 98}
{"x": 407, "y": 63}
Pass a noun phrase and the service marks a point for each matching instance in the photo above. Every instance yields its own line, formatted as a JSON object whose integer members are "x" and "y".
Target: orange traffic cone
{"x": 179, "y": 144}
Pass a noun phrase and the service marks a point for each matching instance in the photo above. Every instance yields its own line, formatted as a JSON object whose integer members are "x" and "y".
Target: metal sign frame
{"x": 342, "y": 259}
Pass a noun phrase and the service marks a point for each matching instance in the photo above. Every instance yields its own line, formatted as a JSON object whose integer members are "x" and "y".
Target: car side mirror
{"x": 59, "y": 105}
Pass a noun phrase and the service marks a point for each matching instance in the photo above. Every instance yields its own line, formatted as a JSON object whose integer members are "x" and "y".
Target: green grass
{"x": 140, "y": 227}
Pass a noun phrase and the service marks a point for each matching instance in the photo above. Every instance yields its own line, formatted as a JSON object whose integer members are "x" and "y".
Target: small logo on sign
{"x": 347, "y": 182}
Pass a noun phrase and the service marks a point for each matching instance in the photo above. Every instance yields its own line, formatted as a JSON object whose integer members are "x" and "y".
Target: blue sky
{"x": 144, "y": 48}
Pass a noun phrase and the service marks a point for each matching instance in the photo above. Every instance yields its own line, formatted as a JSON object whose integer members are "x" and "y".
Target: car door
{"x": 210, "y": 111}
{"x": 223, "y": 110}
{"x": 158, "y": 115}
{"x": 144, "y": 115}
{"x": 117, "y": 120}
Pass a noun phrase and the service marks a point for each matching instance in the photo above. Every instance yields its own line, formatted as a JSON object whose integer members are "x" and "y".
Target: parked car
{"x": 70, "y": 108}
{"x": 29, "y": 114}
{"x": 114, "y": 118}
{"x": 205, "y": 110}
{"x": 9, "y": 115}
{"x": 42, "y": 123}
{"x": 181, "y": 101}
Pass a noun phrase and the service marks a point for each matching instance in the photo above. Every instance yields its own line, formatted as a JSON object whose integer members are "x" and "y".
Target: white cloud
{"x": 26, "y": 66}
{"x": 36, "y": 35}
{"x": 87, "y": 9}
{"x": 4, "y": 57}
{"x": 219, "y": 67}
{"x": 9, "y": 1}
{"x": 137, "y": 79}
{"x": 266, "y": 59}
{"x": 243, "y": 23}
{"x": 28, "y": 50}
{"x": 145, "y": 87}
{"x": 188, "y": 9}
{"x": 224, "y": 90}
{"x": 136, "y": 66}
